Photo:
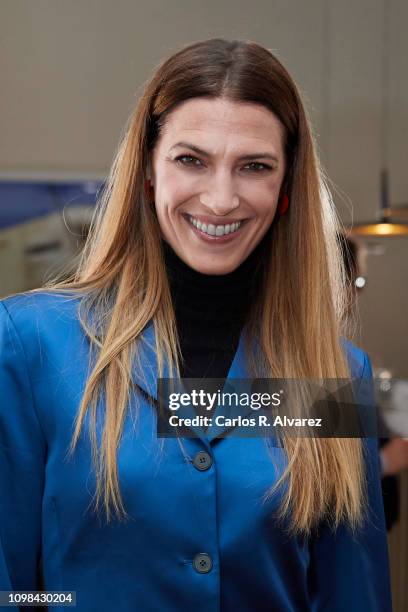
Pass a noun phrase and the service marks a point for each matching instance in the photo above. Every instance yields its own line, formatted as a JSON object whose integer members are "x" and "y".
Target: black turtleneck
{"x": 211, "y": 311}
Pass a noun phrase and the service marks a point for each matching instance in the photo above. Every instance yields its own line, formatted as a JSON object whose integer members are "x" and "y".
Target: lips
{"x": 214, "y": 238}
{"x": 215, "y": 230}
{"x": 214, "y": 220}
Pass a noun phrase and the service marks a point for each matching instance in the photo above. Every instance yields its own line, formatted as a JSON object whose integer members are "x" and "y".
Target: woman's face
{"x": 217, "y": 164}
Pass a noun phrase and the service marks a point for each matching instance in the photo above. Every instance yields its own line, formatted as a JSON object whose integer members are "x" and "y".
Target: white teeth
{"x": 215, "y": 230}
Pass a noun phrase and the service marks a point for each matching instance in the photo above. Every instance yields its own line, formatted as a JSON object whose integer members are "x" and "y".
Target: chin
{"x": 214, "y": 270}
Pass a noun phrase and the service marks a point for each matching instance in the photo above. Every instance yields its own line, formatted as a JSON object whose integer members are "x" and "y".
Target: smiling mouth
{"x": 215, "y": 230}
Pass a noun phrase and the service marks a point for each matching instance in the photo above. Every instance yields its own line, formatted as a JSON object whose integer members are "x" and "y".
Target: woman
{"x": 192, "y": 269}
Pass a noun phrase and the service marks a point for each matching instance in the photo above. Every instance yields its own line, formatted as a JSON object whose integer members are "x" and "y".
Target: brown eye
{"x": 188, "y": 160}
{"x": 258, "y": 166}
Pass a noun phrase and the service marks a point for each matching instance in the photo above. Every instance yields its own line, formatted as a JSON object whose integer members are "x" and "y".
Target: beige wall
{"x": 71, "y": 70}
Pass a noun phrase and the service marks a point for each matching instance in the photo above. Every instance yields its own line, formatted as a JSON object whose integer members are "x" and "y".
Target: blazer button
{"x": 202, "y": 461}
{"x": 202, "y": 563}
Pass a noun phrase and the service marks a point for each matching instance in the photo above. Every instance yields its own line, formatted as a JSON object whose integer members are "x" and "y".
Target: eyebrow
{"x": 265, "y": 155}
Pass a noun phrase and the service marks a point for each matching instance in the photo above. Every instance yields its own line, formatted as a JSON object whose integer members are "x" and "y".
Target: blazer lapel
{"x": 238, "y": 370}
{"x": 146, "y": 381}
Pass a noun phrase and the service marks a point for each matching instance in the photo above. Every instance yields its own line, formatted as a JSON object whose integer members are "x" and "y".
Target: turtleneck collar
{"x": 219, "y": 299}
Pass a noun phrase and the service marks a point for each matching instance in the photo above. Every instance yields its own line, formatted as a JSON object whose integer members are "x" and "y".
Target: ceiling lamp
{"x": 391, "y": 221}
{"x": 388, "y": 223}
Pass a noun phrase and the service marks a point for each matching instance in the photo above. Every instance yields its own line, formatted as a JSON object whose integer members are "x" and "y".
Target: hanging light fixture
{"x": 388, "y": 222}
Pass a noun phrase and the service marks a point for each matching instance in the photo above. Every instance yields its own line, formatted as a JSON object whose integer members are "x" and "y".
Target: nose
{"x": 220, "y": 197}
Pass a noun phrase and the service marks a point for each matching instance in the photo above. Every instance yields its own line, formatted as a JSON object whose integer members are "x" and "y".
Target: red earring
{"x": 283, "y": 204}
{"x": 147, "y": 186}
{"x": 149, "y": 189}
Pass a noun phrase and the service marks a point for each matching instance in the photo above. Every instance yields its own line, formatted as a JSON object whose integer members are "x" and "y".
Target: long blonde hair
{"x": 298, "y": 311}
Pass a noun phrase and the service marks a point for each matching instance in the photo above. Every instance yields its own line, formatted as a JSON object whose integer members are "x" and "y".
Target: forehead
{"x": 209, "y": 118}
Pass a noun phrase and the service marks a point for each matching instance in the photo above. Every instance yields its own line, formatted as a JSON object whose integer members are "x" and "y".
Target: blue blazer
{"x": 197, "y": 539}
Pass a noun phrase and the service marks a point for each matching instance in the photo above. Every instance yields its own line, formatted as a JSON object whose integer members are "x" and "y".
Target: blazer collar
{"x": 146, "y": 380}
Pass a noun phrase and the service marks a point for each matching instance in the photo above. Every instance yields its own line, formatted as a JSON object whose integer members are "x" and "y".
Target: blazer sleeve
{"x": 351, "y": 571}
{"x": 22, "y": 461}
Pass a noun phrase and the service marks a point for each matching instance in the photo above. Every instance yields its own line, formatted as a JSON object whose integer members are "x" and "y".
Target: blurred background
{"x": 71, "y": 73}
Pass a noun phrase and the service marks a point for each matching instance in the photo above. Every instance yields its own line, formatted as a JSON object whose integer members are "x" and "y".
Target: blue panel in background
{"x": 21, "y": 201}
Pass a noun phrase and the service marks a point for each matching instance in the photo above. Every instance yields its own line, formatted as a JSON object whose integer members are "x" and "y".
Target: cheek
{"x": 175, "y": 189}
{"x": 264, "y": 199}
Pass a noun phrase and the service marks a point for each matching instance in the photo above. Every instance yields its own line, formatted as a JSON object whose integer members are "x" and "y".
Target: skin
{"x": 220, "y": 186}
